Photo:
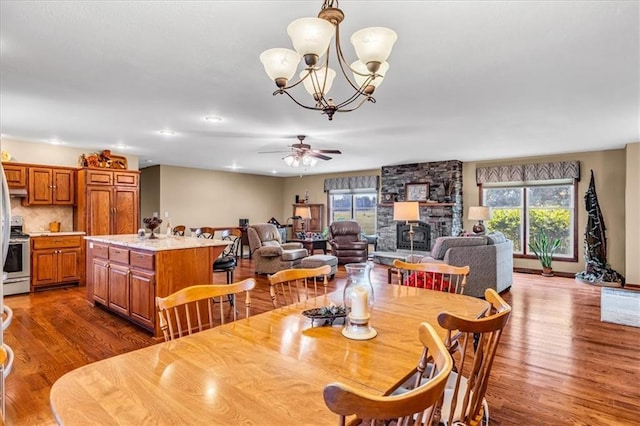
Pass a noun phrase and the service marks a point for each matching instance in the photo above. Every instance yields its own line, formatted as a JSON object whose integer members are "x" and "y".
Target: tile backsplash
{"x": 37, "y": 218}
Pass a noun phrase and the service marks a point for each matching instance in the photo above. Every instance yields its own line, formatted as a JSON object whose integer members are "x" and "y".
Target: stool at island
{"x": 318, "y": 260}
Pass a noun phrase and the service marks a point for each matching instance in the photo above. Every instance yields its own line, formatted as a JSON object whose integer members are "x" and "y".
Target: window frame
{"x": 525, "y": 218}
{"x": 353, "y": 193}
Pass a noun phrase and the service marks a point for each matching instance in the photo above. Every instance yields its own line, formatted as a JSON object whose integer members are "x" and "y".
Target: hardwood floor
{"x": 557, "y": 362}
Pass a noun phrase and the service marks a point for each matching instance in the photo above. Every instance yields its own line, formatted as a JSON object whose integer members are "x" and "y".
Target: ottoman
{"x": 318, "y": 260}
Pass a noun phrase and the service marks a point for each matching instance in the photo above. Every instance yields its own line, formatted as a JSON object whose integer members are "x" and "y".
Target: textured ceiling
{"x": 468, "y": 81}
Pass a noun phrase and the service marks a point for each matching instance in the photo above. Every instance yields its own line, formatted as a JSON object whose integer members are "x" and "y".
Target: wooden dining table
{"x": 265, "y": 370}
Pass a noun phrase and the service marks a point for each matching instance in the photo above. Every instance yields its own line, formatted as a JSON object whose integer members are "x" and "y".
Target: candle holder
{"x": 358, "y": 301}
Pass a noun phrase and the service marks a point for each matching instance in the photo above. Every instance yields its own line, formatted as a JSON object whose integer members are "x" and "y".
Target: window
{"x": 358, "y": 205}
{"x": 520, "y": 212}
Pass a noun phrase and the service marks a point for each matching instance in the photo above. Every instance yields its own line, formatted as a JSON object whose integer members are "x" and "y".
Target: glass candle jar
{"x": 358, "y": 300}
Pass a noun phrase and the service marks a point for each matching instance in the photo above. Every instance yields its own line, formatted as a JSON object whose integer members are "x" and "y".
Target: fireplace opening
{"x": 421, "y": 236}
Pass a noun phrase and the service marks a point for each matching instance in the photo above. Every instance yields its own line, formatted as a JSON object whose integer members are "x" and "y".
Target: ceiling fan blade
{"x": 316, "y": 155}
{"x": 273, "y": 152}
{"x": 327, "y": 151}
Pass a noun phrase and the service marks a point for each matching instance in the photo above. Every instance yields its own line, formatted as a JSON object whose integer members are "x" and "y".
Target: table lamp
{"x": 479, "y": 213}
{"x": 408, "y": 211}
{"x": 302, "y": 213}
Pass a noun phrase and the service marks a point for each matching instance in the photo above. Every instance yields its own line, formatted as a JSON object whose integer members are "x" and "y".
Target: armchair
{"x": 269, "y": 252}
{"x": 347, "y": 243}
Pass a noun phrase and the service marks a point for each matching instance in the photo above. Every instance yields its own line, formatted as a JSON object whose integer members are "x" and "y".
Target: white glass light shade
{"x": 290, "y": 160}
{"x": 280, "y": 62}
{"x": 307, "y": 160}
{"x": 317, "y": 78}
{"x": 362, "y": 69}
{"x": 311, "y": 35}
{"x": 373, "y": 44}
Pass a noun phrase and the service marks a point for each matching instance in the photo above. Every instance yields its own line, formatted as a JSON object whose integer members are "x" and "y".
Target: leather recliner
{"x": 347, "y": 243}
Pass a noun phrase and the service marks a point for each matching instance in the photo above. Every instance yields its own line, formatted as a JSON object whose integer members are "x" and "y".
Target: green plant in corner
{"x": 544, "y": 250}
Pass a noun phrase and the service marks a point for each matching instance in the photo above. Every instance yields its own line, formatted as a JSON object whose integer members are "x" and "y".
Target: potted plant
{"x": 544, "y": 249}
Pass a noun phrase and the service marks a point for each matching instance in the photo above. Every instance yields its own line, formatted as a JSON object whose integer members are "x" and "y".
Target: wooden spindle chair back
{"x": 191, "y": 309}
{"x": 433, "y": 276}
{"x": 413, "y": 407}
{"x": 293, "y": 285}
{"x": 464, "y": 402}
{"x": 205, "y": 232}
{"x": 178, "y": 230}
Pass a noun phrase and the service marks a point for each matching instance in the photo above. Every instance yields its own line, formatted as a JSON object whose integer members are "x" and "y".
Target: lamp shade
{"x": 315, "y": 82}
{"x": 408, "y": 210}
{"x": 303, "y": 212}
{"x": 479, "y": 213}
{"x": 373, "y": 44}
{"x": 311, "y": 35}
{"x": 280, "y": 63}
{"x": 362, "y": 69}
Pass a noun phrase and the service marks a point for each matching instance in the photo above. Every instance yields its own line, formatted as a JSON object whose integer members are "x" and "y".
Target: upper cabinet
{"x": 108, "y": 202}
{"x": 16, "y": 175}
{"x": 51, "y": 186}
{"x": 45, "y": 185}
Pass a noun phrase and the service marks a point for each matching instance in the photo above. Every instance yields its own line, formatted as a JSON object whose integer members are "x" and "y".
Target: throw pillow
{"x": 496, "y": 237}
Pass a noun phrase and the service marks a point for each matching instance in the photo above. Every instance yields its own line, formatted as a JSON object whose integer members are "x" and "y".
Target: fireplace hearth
{"x": 421, "y": 236}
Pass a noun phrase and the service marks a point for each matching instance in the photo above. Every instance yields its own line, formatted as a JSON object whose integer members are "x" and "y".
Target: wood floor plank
{"x": 557, "y": 362}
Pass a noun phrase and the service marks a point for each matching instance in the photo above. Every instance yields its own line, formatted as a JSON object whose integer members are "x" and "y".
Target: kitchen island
{"x": 125, "y": 273}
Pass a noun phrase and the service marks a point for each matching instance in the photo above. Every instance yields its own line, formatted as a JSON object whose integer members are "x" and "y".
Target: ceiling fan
{"x": 301, "y": 153}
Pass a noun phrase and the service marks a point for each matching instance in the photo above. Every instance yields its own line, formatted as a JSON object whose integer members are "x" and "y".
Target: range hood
{"x": 18, "y": 192}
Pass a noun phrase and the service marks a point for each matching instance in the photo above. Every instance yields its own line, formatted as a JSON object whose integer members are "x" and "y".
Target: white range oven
{"x": 17, "y": 265}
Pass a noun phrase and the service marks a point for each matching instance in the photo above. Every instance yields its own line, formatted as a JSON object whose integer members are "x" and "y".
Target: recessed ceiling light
{"x": 213, "y": 119}
{"x": 149, "y": 161}
{"x": 274, "y": 172}
{"x": 55, "y": 142}
{"x": 167, "y": 132}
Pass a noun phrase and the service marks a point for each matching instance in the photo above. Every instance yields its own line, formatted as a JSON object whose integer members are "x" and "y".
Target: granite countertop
{"x": 163, "y": 242}
{"x": 53, "y": 234}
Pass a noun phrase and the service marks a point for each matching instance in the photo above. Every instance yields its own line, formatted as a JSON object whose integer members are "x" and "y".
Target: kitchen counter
{"x": 53, "y": 234}
{"x": 163, "y": 242}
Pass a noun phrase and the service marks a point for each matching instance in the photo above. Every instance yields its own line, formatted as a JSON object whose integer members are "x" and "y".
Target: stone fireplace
{"x": 421, "y": 236}
{"x": 442, "y": 212}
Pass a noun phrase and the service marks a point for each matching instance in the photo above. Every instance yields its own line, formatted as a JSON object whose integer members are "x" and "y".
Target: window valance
{"x": 529, "y": 172}
{"x": 352, "y": 182}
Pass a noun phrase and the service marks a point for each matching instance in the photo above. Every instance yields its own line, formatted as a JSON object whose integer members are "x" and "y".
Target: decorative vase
{"x": 547, "y": 272}
{"x": 358, "y": 300}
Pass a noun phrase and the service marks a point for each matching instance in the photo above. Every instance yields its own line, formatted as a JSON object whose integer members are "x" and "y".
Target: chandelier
{"x": 296, "y": 159}
{"x": 311, "y": 38}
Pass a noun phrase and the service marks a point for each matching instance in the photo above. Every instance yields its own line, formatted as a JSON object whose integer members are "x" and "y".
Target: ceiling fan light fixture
{"x": 311, "y": 39}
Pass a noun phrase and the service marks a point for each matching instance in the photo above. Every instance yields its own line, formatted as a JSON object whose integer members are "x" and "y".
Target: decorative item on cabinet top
{"x": 103, "y": 160}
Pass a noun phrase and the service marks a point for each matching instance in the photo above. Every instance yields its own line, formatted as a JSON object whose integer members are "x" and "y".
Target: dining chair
{"x": 416, "y": 406}
{"x": 178, "y": 230}
{"x": 179, "y": 310}
{"x": 464, "y": 396}
{"x": 287, "y": 286}
{"x": 205, "y": 232}
{"x": 433, "y": 276}
{"x": 228, "y": 260}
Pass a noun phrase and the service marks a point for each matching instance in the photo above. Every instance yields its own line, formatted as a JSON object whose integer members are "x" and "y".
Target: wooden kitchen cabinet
{"x": 16, "y": 175}
{"x": 51, "y": 186}
{"x": 56, "y": 260}
{"x": 124, "y": 281}
{"x": 311, "y": 225}
{"x": 108, "y": 202}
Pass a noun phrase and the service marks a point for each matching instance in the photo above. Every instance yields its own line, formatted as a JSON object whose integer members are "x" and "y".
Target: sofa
{"x": 490, "y": 259}
{"x": 346, "y": 241}
{"x": 269, "y": 253}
